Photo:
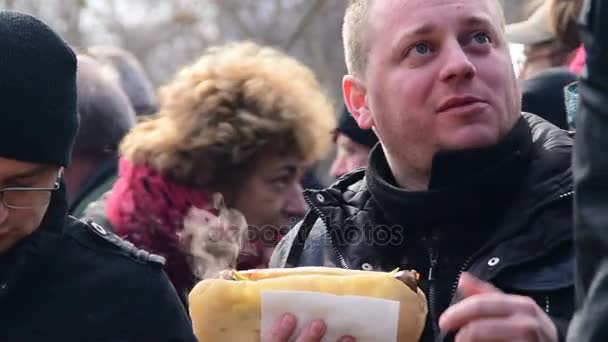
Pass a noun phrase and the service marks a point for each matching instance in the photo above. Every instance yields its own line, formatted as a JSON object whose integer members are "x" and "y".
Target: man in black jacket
{"x": 591, "y": 177}
{"x": 461, "y": 182}
{"x": 62, "y": 279}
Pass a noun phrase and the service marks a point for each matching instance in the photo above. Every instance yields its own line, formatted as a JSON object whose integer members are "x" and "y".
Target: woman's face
{"x": 271, "y": 197}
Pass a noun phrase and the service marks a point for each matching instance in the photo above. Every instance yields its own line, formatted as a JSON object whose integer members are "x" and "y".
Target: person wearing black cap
{"x": 353, "y": 145}
{"x": 62, "y": 279}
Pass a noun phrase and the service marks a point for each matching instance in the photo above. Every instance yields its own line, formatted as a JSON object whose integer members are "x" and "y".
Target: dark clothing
{"x": 74, "y": 281}
{"x": 544, "y": 95}
{"x": 502, "y": 213}
{"x": 97, "y": 184}
{"x": 591, "y": 179}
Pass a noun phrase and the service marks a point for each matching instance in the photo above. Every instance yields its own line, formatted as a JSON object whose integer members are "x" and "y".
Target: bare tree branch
{"x": 233, "y": 12}
{"x": 306, "y": 19}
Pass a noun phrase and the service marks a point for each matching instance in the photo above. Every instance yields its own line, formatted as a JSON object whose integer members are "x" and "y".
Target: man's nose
{"x": 296, "y": 205}
{"x": 457, "y": 64}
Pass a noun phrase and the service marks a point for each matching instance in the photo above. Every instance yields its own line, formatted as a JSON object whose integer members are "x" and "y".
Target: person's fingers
{"x": 347, "y": 339}
{"x": 282, "y": 329}
{"x": 469, "y": 285}
{"x": 312, "y": 332}
{"x": 491, "y": 305}
{"x": 515, "y": 328}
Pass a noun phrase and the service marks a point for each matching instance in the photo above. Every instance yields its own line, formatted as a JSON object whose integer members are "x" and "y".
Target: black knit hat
{"x": 38, "y": 119}
{"x": 348, "y": 126}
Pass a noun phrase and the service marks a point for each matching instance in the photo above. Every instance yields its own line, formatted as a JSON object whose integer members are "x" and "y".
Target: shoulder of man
{"x": 547, "y": 136}
{"x": 121, "y": 269}
{"x": 101, "y": 241}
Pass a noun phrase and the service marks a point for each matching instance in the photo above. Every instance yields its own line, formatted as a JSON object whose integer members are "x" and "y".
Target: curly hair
{"x": 237, "y": 103}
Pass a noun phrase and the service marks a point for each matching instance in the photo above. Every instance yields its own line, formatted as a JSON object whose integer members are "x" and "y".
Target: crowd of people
{"x": 118, "y": 198}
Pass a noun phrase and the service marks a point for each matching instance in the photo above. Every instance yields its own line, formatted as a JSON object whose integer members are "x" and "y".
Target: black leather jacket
{"x": 591, "y": 179}
{"x": 529, "y": 252}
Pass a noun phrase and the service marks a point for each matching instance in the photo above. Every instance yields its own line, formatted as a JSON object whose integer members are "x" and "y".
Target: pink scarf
{"x": 578, "y": 62}
{"x": 148, "y": 210}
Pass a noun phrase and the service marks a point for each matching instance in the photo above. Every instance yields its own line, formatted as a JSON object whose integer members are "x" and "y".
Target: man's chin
{"x": 472, "y": 136}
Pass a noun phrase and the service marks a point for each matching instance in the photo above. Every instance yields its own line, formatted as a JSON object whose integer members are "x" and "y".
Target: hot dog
{"x": 228, "y": 308}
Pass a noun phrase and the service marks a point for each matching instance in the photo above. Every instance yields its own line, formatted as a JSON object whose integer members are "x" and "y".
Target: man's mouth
{"x": 460, "y": 102}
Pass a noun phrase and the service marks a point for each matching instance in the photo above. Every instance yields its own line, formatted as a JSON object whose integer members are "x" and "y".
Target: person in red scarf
{"x": 234, "y": 134}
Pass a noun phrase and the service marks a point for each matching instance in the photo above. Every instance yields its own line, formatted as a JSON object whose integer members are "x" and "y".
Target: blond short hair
{"x": 354, "y": 33}
{"x": 237, "y": 103}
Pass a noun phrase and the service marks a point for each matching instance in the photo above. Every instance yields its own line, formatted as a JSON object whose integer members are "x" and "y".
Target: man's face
{"x": 349, "y": 156}
{"x": 16, "y": 224}
{"x": 439, "y": 76}
{"x": 272, "y": 195}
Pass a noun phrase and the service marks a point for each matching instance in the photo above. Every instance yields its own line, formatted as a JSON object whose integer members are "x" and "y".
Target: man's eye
{"x": 422, "y": 48}
{"x": 481, "y": 38}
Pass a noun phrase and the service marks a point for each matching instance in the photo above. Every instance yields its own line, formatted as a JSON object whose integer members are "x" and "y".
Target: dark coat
{"x": 74, "y": 281}
{"x": 591, "y": 179}
{"x": 516, "y": 232}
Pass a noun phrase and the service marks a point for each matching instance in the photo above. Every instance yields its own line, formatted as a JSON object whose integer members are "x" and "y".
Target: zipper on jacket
{"x": 341, "y": 258}
{"x": 567, "y": 194}
{"x": 441, "y": 336}
{"x": 432, "y": 277}
{"x": 460, "y": 272}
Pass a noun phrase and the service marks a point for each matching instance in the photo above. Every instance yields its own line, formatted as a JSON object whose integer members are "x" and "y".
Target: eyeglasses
{"x": 26, "y": 198}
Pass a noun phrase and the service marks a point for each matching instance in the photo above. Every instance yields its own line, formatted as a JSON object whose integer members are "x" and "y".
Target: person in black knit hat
{"x": 352, "y": 144}
{"x": 62, "y": 279}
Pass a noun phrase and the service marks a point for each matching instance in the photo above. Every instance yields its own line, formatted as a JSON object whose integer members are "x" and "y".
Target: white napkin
{"x": 364, "y": 318}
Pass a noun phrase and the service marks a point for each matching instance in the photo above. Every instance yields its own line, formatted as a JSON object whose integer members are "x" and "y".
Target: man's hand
{"x": 487, "y": 314}
{"x": 284, "y": 327}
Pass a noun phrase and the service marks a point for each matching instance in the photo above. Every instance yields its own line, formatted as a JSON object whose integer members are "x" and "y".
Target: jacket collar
{"x": 465, "y": 185}
{"x": 548, "y": 179}
{"x": 548, "y": 175}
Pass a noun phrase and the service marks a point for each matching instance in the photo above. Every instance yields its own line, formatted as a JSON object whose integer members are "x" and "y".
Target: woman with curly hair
{"x": 238, "y": 127}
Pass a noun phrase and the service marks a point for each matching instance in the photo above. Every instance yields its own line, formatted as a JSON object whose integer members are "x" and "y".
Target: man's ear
{"x": 355, "y": 98}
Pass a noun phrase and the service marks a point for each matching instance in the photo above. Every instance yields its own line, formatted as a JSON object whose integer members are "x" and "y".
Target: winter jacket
{"x": 502, "y": 213}
{"x": 591, "y": 180}
{"x": 97, "y": 184}
{"x": 75, "y": 281}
